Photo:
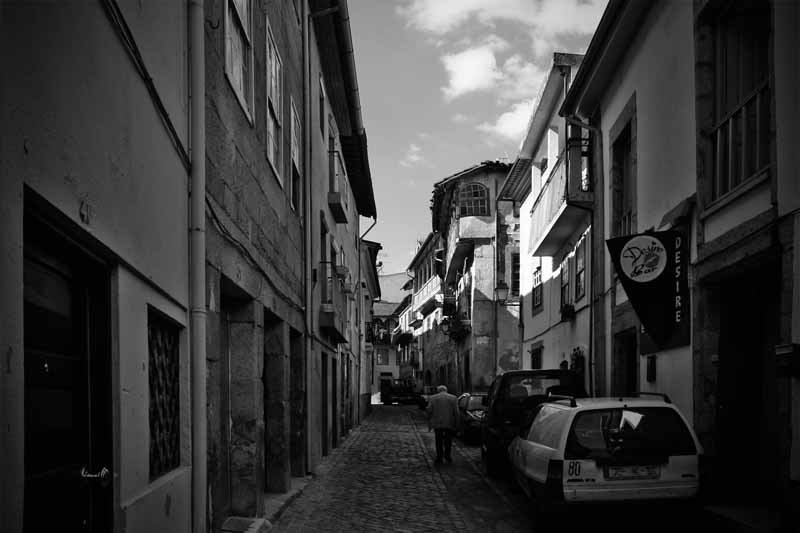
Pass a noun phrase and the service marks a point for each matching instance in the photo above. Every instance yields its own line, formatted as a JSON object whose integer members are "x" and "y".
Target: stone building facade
{"x": 480, "y": 238}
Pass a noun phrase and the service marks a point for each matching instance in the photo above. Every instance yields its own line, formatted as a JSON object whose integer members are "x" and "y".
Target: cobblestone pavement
{"x": 382, "y": 478}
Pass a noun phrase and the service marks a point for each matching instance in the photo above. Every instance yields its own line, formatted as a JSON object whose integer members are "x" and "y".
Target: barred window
{"x": 163, "y": 338}
{"x": 537, "y": 290}
{"x": 474, "y": 200}
{"x": 565, "y": 281}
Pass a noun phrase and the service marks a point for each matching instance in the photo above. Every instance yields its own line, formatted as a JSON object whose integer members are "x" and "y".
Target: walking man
{"x": 443, "y": 419}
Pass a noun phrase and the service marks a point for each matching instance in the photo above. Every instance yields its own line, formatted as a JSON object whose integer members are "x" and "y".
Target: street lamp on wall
{"x": 501, "y": 292}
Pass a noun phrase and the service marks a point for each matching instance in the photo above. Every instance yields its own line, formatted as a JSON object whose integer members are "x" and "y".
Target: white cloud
{"x": 511, "y": 125}
{"x": 473, "y": 69}
{"x": 521, "y": 78}
{"x": 413, "y": 156}
{"x": 546, "y": 20}
{"x": 460, "y": 118}
{"x": 556, "y": 16}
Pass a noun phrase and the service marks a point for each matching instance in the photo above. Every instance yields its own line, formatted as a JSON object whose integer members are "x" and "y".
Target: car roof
{"x": 611, "y": 402}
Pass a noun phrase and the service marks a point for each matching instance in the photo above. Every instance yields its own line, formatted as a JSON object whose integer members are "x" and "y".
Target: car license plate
{"x": 633, "y": 472}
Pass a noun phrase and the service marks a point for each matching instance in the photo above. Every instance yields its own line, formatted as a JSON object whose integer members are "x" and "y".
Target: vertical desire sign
{"x": 652, "y": 268}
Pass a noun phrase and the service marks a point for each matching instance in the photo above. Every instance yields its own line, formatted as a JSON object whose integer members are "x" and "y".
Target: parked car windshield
{"x": 635, "y": 431}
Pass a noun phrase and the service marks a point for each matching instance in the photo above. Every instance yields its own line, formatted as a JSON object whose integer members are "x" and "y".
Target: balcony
{"x": 429, "y": 295}
{"x": 563, "y": 203}
{"x": 332, "y": 319}
{"x": 338, "y": 191}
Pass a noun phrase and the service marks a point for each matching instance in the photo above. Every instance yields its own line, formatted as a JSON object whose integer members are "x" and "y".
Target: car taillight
{"x": 554, "y": 485}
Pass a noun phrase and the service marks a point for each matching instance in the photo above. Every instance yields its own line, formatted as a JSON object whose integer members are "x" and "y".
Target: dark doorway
{"x": 746, "y": 405}
{"x": 625, "y": 372}
{"x": 68, "y": 454}
{"x": 297, "y": 394}
{"x": 334, "y": 404}
{"x": 325, "y": 406}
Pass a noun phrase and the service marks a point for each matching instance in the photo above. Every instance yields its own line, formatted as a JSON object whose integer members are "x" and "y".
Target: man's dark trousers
{"x": 444, "y": 442}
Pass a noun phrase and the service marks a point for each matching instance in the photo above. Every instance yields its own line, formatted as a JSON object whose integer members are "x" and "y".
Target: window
{"x": 580, "y": 270}
{"x": 565, "y": 281}
{"x": 515, "y": 275}
{"x": 536, "y": 356}
{"x": 163, "y": 345}
{"x": 274, "y": 104}
{"x": 474, "y": 200}
{"x": 297, "y": 165}
{"x": 548, "y": 426}
{"x": 622, "y": 178}
{"x": 239, "y": 52}
{"x": 536, "y": 300}
{"x": 741, "y": 132}
{"x": 322, "y": 112}
{"x": 383, "y": 357}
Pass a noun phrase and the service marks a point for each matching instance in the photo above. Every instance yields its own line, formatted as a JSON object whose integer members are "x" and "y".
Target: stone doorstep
{"x": 237, "y": 524}
{"x": 275, "y": 503}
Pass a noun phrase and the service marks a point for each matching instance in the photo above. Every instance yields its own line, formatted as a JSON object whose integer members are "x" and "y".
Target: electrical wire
{"x": 125, "y": 34}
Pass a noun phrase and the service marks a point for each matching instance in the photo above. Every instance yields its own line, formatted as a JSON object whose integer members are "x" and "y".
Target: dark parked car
{"x": 398, "y": 391}
{"x": 471, "y": 411}
{"x": 512, "y": 398}
{"x": 427, "y": 392}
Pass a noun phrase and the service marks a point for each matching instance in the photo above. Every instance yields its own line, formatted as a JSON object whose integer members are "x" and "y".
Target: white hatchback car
{"x": 595, "y": 450}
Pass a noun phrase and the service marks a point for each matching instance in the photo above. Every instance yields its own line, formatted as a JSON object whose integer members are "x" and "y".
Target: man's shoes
{"x": 449, "y": 459}
{"x": 438, "y": 460}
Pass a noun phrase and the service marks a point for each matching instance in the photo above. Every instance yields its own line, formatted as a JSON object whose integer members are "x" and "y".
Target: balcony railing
{"x": 561, "y": 205}
{"x": 425, "y": 300}
{"x": 741, "y": 143}
{"x": 332, "y": 319}
{"x": 338, "y": 190}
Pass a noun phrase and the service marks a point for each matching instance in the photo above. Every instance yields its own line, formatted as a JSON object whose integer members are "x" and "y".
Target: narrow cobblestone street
{"x": 382, "y": 478}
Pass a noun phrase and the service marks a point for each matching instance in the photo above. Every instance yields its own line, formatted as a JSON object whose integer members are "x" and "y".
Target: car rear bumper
{"x": 678, "y": 491}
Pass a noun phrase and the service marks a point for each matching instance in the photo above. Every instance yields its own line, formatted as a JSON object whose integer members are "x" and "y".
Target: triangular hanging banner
{"x": 652, "y": 268}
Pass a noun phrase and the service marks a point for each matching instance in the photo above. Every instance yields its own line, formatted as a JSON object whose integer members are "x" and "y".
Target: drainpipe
{"x": 308, "y": 218}
{"x": 574, "y": 121}
{"x": 197, "y": 272}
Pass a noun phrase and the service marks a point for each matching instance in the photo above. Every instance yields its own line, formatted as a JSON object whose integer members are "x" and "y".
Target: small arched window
{"x": 473, "y": 200}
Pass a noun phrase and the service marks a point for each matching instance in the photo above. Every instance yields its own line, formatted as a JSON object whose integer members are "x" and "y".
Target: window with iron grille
{"x": 741, "y": 132}
{"x": 580, "y": 270}
{"x": 536, "y": 356}
{"x": 536, "y": 300}
{"x": 474, "y": 200}
{"x": 163, "y": 340}
{"x": 515, "y": 275}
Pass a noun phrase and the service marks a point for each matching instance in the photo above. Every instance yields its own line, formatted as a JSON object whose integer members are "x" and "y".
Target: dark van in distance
{"x": 511, "y": 399}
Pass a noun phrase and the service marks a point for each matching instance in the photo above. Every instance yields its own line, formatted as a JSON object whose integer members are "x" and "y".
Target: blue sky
{"x": 445, "y": 84}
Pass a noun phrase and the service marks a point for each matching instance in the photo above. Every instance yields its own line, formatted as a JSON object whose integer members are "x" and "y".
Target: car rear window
{"x": 635, "y": 431}
{"x": 548, "y": 426}
{"x": 520, "y": 387}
